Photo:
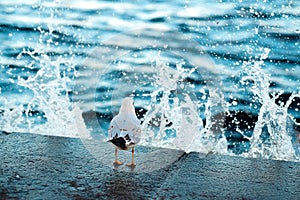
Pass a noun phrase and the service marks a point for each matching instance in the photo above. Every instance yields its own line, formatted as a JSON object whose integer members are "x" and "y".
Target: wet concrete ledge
{"x": 43, "y": 167}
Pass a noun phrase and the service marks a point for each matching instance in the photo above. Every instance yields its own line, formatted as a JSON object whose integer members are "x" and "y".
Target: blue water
{"x": 58, "y": 54}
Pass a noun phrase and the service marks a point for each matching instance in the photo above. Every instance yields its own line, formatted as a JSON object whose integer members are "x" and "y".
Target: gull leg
{"x": 116, "y": 162}
{"x": 132, "y": 164}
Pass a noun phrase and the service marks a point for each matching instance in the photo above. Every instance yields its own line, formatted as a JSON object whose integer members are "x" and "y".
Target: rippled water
{"x": 206, "y": 76}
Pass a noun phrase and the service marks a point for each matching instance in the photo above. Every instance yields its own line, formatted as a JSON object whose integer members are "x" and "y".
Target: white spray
{"x": 271, "y": 117}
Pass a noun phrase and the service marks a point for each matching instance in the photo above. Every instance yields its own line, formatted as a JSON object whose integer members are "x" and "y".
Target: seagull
{"x": 125, "y": 130}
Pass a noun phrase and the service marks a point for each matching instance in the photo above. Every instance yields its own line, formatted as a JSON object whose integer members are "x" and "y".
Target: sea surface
{"x": 206, "y": 76}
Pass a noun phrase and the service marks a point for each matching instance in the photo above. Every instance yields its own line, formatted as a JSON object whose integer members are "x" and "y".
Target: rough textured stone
{"x": 43, "y": 167}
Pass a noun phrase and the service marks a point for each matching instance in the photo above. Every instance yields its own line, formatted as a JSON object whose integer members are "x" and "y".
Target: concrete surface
{"x": 43, "y": 167}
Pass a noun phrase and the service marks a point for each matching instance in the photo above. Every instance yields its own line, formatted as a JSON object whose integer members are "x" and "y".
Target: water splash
{"x": 165, "y": 118}
{"x": 173, "y": 119}
{"x": 48, "y": 91}
{"x": 270, "y": 137}
{"x": 51, "y": 90}
{"x": 180, "y": 120}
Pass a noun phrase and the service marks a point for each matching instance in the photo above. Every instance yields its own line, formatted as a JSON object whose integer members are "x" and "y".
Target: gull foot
{"x": 130, "y": 164}
{"x": 116, "y": 162}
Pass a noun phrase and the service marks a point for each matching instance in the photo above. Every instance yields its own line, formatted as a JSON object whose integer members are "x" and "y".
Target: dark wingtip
{"x": 127, "y": 137}
{"x": 119, "y": 142}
